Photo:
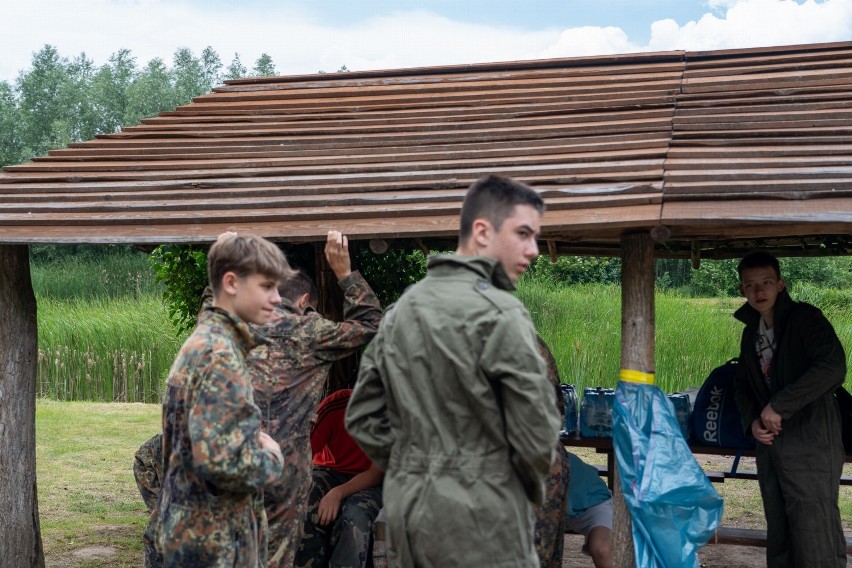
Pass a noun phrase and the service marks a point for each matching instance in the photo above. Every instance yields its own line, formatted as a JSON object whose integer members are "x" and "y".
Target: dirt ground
{"x": 711, "y": 556}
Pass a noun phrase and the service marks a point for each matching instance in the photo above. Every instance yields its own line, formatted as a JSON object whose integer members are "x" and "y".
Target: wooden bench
{"x": 750, "y": 537}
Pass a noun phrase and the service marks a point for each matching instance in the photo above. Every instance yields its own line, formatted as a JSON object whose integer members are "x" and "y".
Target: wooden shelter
{"x": 672, "y": 154}
{"x": 713, "y": 151}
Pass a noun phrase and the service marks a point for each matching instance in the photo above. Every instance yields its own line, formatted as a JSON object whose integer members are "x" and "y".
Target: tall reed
{"x": 104, "y": 349}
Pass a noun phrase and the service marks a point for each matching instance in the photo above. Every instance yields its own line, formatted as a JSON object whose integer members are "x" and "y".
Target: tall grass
{"x": 582, "y": 326}
{"x": 104, "y": 349}
{"x": 113, "y": 276}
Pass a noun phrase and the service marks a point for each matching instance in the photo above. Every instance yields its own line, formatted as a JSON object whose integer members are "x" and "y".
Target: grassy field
{"x": 120, "y": 349}
{"x": 92, "y": 515}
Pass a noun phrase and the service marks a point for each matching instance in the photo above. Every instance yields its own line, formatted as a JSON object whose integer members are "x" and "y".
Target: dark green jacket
{"x": 808, "y": 367}
{"x": 453, "y": 403}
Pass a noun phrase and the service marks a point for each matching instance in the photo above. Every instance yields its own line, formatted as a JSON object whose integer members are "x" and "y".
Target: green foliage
{"x": 389, "y": 274}
{"x": 90, "y": 271}
{"x": 576, "y": 270}
{"x": 263, "y": 67}
{"x": 715, "y": 278}
{"x": 182, "y": 270}
{"x": 60, "y": 100}
{"x": 236, "y": 69}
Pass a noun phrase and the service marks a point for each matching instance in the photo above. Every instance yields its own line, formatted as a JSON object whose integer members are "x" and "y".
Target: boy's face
{"x": 760, "y": 287}
{"x": 254, "y": 297}
{"x": 514, "y": 245}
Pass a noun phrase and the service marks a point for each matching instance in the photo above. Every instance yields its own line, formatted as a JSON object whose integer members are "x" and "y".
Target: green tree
{"x": 211, "y": 67}
{"x": 182, "y": 270}
{"x": 11, "y": 141}
{"x": 189, "y": 76}
{"x": 110, "y": 90}
{"x": 151, "y": 93}
{"x": 40, "y": 100}
{"x": 81, "y": 119}
{"x": 263, "y": 67}
{"x": 236, "y": 70}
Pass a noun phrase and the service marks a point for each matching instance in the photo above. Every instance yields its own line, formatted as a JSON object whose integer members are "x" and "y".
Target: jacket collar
{"x": 242, "y": 333}
{"x": 482, "y": 266}
{"x": 751, "y": 317}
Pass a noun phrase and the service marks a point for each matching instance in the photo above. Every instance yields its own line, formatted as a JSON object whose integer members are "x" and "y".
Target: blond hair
{"x": 245, "y": 255}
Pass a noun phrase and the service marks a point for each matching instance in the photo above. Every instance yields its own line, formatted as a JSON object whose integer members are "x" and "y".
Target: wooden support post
{"x": 20, "y": 533}
{"x": 637, "y": 353}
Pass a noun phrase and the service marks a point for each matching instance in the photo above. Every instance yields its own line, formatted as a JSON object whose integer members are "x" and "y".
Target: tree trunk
{"x": 20, "y": 535}
{"x": 637, "y": 353}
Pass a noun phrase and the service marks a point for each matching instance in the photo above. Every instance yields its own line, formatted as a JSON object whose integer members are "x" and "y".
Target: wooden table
{"x": 604, "y": 446}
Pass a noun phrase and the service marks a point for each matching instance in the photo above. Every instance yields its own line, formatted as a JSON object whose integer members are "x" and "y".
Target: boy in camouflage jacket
{"x": 216, "y": 459}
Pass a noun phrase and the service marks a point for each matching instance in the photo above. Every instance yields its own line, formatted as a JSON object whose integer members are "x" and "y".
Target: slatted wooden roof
{"x": 713, "y": 151}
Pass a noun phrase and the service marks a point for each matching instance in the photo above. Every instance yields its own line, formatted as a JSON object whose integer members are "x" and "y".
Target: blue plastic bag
{"x": 674, "y": 507}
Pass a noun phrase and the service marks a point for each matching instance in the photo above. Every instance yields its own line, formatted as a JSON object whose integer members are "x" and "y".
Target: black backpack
{"x": 715, "y": 418}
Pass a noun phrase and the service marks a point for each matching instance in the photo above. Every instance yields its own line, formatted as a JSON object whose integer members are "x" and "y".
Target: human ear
{"x": 229, "y": 283}
{"x": 481, "y": 232}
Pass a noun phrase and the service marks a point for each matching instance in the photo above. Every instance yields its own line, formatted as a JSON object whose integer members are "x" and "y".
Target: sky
{"x": 313, "y": 35}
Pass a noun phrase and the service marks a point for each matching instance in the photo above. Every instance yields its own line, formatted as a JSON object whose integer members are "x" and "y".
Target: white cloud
{"x": 753, "y": 23}
{"x": 299, "y": 42}
{"x": 588, "y": 40}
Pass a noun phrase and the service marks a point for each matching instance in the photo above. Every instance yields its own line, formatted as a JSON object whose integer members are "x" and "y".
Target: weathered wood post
{"x": 637, "y": 354}
{"x": 20, "y": 533}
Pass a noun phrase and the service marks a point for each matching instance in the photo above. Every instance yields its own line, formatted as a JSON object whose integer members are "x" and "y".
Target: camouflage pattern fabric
{"x": 215, "y": 470}
{"x": 148, "y": 471}
{"x": 345, "y": 543}
{"x": 288, "y": 376}
{"x": 550, "y": 516}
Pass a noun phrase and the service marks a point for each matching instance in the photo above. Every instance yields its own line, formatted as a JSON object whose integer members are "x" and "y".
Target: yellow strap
{"x": 631, "y": 376}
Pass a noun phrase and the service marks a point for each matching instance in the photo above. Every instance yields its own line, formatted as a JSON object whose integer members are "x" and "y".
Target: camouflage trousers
{"x": 550, "y": 517}
{"x": 286, "y": 503}
{"x": 148, "y": 471}
{"x": 347, "y": 542}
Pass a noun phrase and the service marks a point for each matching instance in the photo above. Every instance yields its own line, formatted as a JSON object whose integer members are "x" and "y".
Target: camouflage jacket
{"x": 211, "y": 510}
{"x": 289, "y": 373}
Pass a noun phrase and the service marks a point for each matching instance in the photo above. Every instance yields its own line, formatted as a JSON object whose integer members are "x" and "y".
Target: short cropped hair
{"x": 245, "y": 255}
{"x": 298, "y": 284}
{"x": 759, "y": 259}
{"x": 494, "y": 197}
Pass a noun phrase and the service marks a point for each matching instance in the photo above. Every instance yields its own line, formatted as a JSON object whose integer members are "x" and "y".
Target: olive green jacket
{"x": 452, "y": 401}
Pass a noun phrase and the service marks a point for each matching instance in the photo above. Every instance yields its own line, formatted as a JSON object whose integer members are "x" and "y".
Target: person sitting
{"x": 590, "y": 511}
{"x": 345, "y": 496}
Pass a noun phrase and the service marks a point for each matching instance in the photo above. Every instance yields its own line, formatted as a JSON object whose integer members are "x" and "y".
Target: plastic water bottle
{"x": 680, "y": 402}
{"x": 569, "y": 401}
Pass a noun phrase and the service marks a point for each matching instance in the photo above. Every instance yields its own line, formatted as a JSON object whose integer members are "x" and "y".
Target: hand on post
{"x": 337, "y": 254}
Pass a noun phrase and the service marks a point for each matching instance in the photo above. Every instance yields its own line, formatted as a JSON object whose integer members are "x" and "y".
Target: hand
{"x": 337, "y": 254}
{"x": 267, "y": 442}
{"x": 328, "y": 507}
{"x": 760, "y": 433}
{"x": 771, "y": 420}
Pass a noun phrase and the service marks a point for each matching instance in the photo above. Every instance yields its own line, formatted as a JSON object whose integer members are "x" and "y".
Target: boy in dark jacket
{"x": 791, "y": 362}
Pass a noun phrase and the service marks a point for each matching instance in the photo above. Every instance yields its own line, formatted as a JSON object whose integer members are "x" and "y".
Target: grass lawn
{"x": 91, "y": 512}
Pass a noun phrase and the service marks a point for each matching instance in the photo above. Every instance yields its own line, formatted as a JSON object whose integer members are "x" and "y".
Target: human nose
{"x": 276, "y": 297}
{"x": 532, "y": 249}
